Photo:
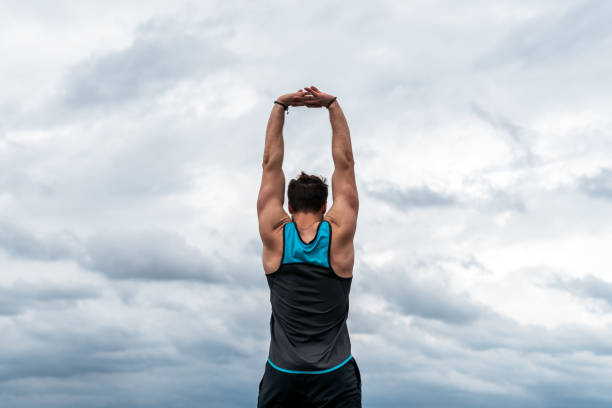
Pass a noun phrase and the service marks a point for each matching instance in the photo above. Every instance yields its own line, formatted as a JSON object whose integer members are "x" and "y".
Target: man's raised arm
{"x": 343, "y": 211}
{"x": 271, "y": 196}
{"x": 344, "y": 187}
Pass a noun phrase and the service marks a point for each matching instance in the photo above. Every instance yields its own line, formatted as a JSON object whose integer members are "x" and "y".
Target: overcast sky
{"x": 131, "y": 140}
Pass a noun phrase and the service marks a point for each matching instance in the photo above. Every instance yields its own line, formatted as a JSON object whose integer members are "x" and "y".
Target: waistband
{"x": 310, "y": 372}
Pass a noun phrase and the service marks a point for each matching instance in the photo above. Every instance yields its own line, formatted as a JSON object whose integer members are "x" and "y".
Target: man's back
{"x": 310, "y": 305}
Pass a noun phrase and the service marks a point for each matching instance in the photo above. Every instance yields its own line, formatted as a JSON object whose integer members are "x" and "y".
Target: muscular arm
{"x": 271, "y": 197}
{"x": 344, "y": 187}
{"x": 343, "y": 213}
{"x": 274, "y": 148}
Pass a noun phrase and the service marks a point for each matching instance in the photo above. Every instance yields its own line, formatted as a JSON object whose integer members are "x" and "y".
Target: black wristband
{"x": 332, "y": 101}
{"x": 284, "y": 106}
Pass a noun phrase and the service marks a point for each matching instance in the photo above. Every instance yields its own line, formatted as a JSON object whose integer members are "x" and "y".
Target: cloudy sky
{"x": 131, "y": 139}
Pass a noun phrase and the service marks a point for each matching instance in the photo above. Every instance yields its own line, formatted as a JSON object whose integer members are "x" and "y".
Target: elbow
{"x": 343, "y": 157}
{"x": 272, "y": 162}
{"x": 345, "y": 161}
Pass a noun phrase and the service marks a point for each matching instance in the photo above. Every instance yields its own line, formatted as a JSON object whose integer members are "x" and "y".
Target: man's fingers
{"x": 311, "y": 100}
{"x": 300, "y": 99}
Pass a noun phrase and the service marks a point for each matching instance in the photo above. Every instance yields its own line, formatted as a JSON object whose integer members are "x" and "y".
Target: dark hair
{"x": 307, "y": 193}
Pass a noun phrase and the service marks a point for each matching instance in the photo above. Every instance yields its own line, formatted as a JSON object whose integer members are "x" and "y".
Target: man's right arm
{"x": 344, "y": 188}
{"x": 344, "y": 210}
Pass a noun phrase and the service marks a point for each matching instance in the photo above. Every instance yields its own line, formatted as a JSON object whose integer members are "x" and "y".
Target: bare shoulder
{"x": 342, "y": 250}
{"x": 273, "y": 247}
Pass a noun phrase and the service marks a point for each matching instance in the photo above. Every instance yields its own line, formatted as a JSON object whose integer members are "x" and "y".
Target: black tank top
{"x": 310, "y": 305}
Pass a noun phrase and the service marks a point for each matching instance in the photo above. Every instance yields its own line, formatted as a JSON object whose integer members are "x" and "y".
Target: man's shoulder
{"x": 341, "y": 218}
{"x": 342, "y": 226}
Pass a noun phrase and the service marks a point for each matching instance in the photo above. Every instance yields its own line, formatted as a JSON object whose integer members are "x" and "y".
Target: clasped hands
{"x": 310, "y": 97}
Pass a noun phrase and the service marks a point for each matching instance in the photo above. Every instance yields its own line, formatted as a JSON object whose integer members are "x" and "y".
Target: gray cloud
{"x": 162, "y": 53}
{"x": 410, "y": 197}
{"x": 20, "y": 242}
{"x": 503, "y": 200}
{"x": 569, "y": 31}
{"x": 193, "y": 348}
{"x": 23, "y": 296}
{"x": 495, "y": 331}
{"x": 151, "y": 254}
{"x": 494, "y": 357}
{"x": 73, "y": 353}
{"x": 417, "y": 289}
{"x": 588, "y": 287}
{"x": 599, "y": 185}
{"x": 519, "y": 136}
{"x": 497, "y": 200}
{"x": 434, "y": 301}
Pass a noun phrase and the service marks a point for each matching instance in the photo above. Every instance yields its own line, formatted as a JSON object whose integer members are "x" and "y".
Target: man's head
{"x": 307, "y": 194}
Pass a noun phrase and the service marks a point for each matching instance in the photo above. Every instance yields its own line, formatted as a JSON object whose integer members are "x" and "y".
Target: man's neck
{"x": 306, "y": 220}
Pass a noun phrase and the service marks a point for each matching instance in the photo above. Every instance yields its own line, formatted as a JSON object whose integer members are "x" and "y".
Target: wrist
{"x": 332, "y": 104}
{"x": 282, "y": 107}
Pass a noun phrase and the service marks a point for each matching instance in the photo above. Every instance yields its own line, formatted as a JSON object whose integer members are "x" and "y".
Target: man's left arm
{"x": 271, "y": 197}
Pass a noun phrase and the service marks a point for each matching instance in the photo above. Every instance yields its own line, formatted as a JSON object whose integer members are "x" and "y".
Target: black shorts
{"x": 338, "y": 388}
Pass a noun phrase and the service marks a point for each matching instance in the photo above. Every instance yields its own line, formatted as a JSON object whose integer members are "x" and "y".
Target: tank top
{"x": 310, "y": 304}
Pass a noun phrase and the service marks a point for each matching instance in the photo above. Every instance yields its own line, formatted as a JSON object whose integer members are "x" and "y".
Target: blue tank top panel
{"x": 315, "y": 252}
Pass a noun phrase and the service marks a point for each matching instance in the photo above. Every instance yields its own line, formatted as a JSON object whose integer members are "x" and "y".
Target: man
{"x": 308, "y": 261}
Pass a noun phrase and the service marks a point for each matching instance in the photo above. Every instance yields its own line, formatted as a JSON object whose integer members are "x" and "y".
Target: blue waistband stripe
{"x": 311, "y": 372}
